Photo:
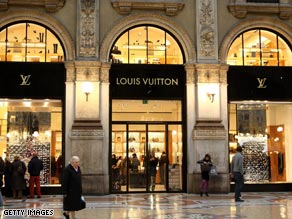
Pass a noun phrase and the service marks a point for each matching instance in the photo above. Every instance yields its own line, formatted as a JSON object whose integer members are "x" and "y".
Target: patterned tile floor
{"x": 273, "y": 205}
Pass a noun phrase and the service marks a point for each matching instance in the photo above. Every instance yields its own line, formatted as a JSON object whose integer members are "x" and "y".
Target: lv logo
{"x": 262, "y": 82}
{"x": 25, "y": 80}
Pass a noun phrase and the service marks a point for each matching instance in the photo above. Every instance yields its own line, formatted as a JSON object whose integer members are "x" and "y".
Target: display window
{"x": 262, "y": 129}
{"x": 28, "y": 126}
{"x": 259, "y": 47}
{"x": 29, "y": 42}
{"x": 146, "y": 45}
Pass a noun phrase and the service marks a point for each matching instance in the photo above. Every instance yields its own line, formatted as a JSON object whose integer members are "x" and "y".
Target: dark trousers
{"x": 239, "y": 182}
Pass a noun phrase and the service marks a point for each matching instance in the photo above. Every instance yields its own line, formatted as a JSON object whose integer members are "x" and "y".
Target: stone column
{"x": 210, "y": 134}
{"x": 87, "y": 136}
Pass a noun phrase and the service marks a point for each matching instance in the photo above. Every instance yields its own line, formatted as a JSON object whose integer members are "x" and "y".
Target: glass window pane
{"x": 175, "y": 156}
{"x": 120, "y": 51}
{"x": 151, "y": 110}
{"x": 16, "y": 42}
{"x": 269, "y": 48}
{"x": 262, "y": 130}
{"x": 34, "y": 125}
{"x": 156, "y": 46}
{"x": 36, "y": 43}
{"x": 146, "y": 45}
{"x": 3, "y": 45}
{"x": 54, "y": 49}
{"x": 285, "y": 55}
{"x": 28, "y": 42}
{"x": 173, "y": 52}
{"x": 261, "y": 48}
{"x": 235, "y": 52}
{"x": 138, "y": 45}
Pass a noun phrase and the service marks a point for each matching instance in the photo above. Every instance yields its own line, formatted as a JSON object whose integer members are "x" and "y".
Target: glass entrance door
{"x": 146, "y": 157}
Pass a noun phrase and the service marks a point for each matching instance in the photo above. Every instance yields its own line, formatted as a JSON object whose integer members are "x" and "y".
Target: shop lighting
{"x": 211, "y": 96}
{"x": 87, "y": 88}
{"x": 280, "y": 129}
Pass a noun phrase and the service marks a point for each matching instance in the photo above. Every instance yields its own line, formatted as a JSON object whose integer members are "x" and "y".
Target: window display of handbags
{"x": 256, "y": 162}
{"x": 25, "y": 148}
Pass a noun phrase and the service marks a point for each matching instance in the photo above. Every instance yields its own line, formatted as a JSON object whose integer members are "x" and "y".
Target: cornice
{"x": 240, "y": 8}
{"x": 171, "y": 7}
{"x": 50, "y": 5}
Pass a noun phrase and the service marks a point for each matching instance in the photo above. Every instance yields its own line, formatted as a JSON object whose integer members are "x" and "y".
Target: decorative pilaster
{"x": 207, "y": 40}
{"x": 88, "y": 29}
{"x": 210, "y": 132}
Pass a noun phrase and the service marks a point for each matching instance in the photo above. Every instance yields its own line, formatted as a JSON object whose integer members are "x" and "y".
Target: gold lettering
{"x": 262, "y": 82}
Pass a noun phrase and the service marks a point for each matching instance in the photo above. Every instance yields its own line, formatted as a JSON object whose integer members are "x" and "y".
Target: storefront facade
{"x": 122, "y": 88}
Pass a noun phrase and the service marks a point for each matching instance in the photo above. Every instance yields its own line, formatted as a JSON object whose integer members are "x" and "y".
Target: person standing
{"x": 18, "y": 181}
{"x": 237, "y": 170}
{"x": 162, "y": 167}
{"x": 72, "y": 188}
{"x": 206, "y": 164}
{"x": 135, "y": 163}
{"x": 8, "y": 177}
{"x": 35, "y": 166}
{"x": 153, "y": 164}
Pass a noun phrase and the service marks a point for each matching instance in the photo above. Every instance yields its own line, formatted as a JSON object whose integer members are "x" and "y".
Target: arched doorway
{"x": 260, "y": 105}
{"x": 31, "y": 110}
{"x": 147, "y": 112}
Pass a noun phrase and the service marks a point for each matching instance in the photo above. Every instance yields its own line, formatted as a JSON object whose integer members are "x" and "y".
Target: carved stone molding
{"x": 171, "y": 7}
{"x": 209, "y": 130}
{"x": 86, "y": 129}
{"x": 240, "y": 8}
{"x": 50, "y": 5}
{"x": 104, "y": 72}
{"x": 87, "y": 35}
{"x": 211, "y": 73}
{"x": 87, "y": 70}
{"x": 190, "y": 71}
{"x": 70, "y": 71}
{"x": 207, "y": 29}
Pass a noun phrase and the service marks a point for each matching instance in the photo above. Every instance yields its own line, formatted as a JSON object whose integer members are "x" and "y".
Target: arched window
{"x": 258, "y": 47}
{"x": 146, "y": 45}
{"x": 29, "y": 42}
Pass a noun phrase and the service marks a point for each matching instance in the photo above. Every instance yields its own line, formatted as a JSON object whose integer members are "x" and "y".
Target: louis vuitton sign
{"x": 32, "y": 80}
{"x": 259, "y": 83}
{"x": 147, "y": 81}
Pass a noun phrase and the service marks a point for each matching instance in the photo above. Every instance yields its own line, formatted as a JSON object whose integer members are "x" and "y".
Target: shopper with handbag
{"x": 206, "y": 164}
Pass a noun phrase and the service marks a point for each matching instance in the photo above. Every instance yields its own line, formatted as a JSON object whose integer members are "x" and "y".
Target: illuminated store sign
{"x": 259, "y": 83}
{"x": 32, "y": 80}
{"x": 147, "y": 81}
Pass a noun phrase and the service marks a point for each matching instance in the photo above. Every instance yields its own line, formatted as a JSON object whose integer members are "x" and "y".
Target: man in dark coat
{"x": 72, "y": 188}
{"x": 35, "y": 166}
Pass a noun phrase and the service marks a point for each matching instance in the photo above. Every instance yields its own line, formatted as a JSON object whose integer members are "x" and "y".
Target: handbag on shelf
{"x": 213, "y": 171}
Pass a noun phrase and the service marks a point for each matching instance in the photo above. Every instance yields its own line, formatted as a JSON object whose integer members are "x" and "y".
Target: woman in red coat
{"x": 72, "y": 188}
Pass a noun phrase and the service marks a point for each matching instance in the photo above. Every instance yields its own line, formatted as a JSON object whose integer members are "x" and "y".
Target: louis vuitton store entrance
{"x": 147, "y": 128}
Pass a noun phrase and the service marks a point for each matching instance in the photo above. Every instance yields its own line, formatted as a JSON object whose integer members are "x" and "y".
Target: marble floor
{"x": 268, "y": 205}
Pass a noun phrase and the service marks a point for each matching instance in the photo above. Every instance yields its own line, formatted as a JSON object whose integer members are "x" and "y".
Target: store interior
{"x": 28, "y": 126}
{"x": 261, "y": 129}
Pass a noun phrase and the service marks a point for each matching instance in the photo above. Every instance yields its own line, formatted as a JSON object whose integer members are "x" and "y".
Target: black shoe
{"x": 239, "y": 200}
{"x": 66, "y": 215}
{"x": 201, "y": 194}
{"x": 207, "y": 194}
